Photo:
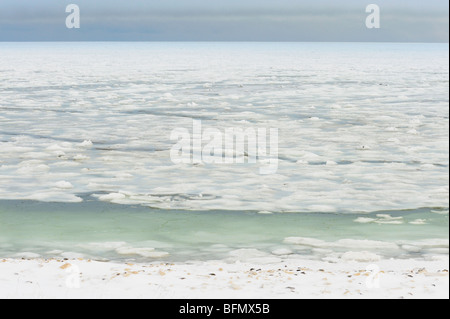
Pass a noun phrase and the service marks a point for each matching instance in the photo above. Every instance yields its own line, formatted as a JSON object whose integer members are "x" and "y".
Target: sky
{"x": 225, "y": 20}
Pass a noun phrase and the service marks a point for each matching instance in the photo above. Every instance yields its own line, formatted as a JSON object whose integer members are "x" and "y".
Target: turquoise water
{"x": 98, "y": 230}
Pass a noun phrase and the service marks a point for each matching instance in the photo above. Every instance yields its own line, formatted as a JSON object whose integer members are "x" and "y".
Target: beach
{"x": 79, "y": 278}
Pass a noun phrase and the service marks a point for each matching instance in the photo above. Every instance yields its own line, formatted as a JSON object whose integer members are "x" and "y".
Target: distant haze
{"x": 225, "y": 20}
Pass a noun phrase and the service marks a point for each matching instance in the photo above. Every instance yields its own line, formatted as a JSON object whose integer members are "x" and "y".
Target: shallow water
{"x": 98, "y": 230}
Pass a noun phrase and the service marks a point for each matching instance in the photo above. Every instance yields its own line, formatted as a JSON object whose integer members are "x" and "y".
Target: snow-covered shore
{"x": 81, "y": 278}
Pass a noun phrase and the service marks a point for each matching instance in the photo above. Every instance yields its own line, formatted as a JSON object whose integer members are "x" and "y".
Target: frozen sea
{"x": 85, "y": 142}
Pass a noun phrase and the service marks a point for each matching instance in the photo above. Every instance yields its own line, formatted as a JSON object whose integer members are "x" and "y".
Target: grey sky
{"x": 225, "y": 20}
